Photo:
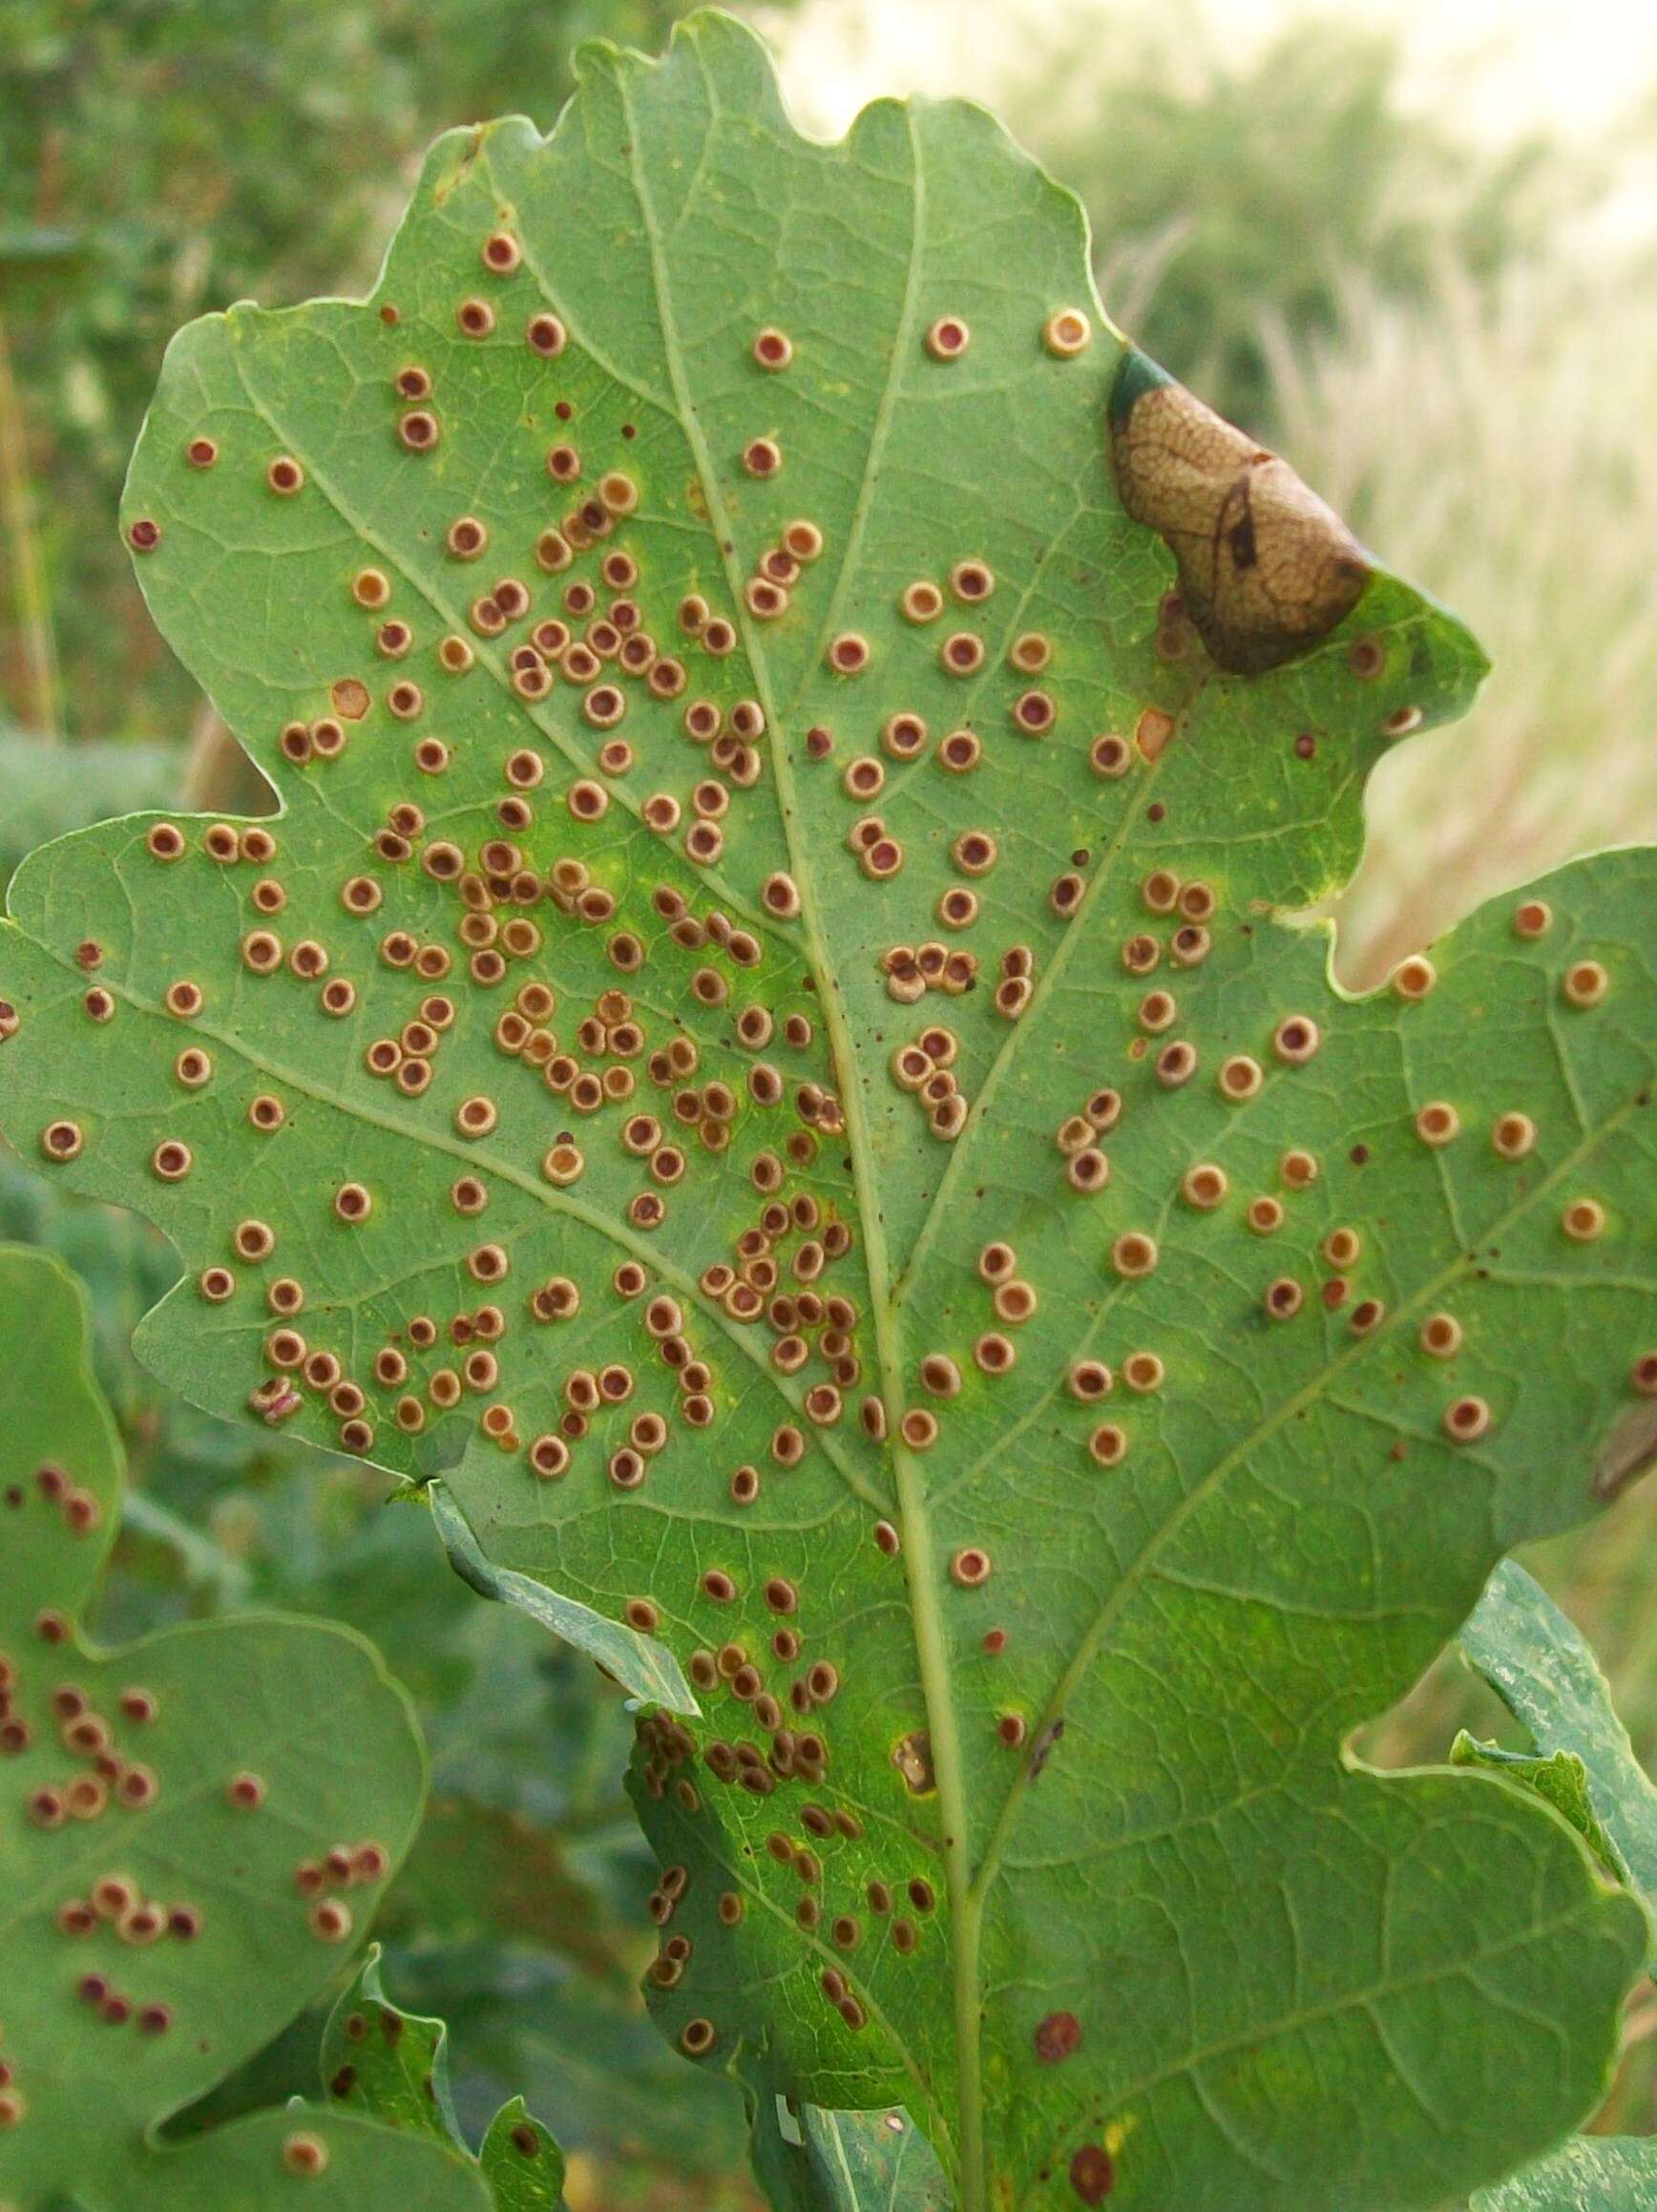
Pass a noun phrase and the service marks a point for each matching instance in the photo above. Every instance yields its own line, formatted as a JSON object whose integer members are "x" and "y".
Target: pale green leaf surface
{"x": 1541, "y": 1666}
{"x": 1293, "y": 1982}
{"x": 384, "y": 2063}
{"x": 1591, "y": 2174}
{"x": 1560, "y": 1777}
{"x": 1544, "y": 1670}
{"x": 200, "y": 1945}
{"x": 872, "y": 2161}
{"x": 244, "y": 2167}
{"x": 807, "y": 2160}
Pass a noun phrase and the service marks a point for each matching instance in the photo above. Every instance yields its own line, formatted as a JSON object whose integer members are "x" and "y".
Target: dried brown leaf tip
{"x": 1266, "y": 568}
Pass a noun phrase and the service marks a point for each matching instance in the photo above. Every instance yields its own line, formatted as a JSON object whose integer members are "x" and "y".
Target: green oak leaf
{"x": 518, "y": 2159}
{"x": 1541, "y": 1666}
{"x": 387, "y": 2063}
{"x": 1591, "y": 2174}
{"x": 392, "y": 2066}
{"x": 870, "y": 2162}
{"x": 180, "y": 1459}
{"x": 769, "y": 1047}
{"x": 156, "y": 1802}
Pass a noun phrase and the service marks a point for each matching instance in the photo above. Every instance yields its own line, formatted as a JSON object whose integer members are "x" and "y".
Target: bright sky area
{"x": 1572, "y": 64}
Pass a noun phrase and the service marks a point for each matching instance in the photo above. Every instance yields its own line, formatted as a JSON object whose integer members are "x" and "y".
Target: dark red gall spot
{"x": 1092, "y": 2173}
{"x": 1056, "y": 2037}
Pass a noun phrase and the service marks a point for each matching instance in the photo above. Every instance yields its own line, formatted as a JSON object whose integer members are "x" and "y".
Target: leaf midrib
{"x": 917, "y": 1550}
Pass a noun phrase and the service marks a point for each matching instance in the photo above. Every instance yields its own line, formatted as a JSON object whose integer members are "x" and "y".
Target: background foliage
{"x": 1438, "y": 332}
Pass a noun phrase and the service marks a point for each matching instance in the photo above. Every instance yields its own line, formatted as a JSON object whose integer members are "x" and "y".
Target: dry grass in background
{"x": 1504, "y": 455}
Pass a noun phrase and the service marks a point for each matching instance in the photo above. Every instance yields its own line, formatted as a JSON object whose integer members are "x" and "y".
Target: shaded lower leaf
{"x": 392, "y": 2066}
{"x": 873, "y": 2161}
{"x": 1544, "y": 1670}
{"x": 522, "y": 2164}
{"x": 191, "y": 1826}
{"x": 384, "y": 2063}
{"x": 807, "y": 2160}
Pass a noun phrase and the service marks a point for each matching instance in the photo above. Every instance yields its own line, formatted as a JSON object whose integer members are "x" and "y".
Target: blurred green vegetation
{"x": 1415, "y": 316}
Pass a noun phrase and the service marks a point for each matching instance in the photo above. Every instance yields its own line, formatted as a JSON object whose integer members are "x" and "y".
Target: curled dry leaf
{"x": 1266, "y": 568}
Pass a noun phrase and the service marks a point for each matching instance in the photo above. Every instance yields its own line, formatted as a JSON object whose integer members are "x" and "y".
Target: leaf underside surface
{"x": 1541, "y": 1666}
{"x": 1591, "y": 2174}
{"x": 157, "y": 1804}
{"x": 763, "y": 1049}
{"x": 809, "y": 2160}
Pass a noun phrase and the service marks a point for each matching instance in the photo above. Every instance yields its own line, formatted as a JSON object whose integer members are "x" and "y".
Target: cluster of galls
{"x": 342, "y": 1866}
{"x": 872, "y": 1907}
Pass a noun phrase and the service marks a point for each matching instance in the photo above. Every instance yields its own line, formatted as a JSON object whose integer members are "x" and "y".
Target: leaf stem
{"x": 918, "y": 1557}
{"x": 28, "y": 584}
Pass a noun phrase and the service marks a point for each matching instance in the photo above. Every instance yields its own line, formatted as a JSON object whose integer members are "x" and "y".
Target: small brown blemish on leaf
{"x": 913, "y": 1758}
{"x": 1586, "y": 983}
{"x": 1584, "y": 1220}
{"x": 1266, "y": 568}
{"x": 1467, "y": 1420}
{"x": 1153, "y": 731}
{"x": 1056, "y": 2037}
{"x": 1092, "y": 2173}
